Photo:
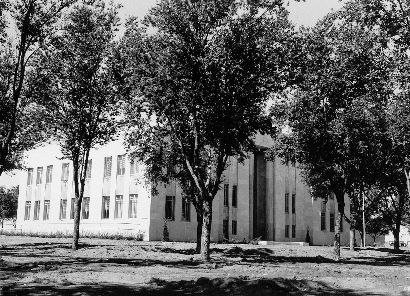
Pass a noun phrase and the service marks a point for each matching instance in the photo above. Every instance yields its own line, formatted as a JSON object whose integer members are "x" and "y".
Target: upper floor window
{"x": 49, "y": 174}
{"x": 107, "y": 166}
{"x": 293, "y": 203}
{"x": 133, "y": 167}
{"x": 235, "y": 196}
{"x": 121, "y": 165}
{"x": 89, "y": 167}
{"x": 39, "y": 178}
{"x": 64, "y": 173}
{"x": 226, "y": 195}
{"x": 170, "y": 208}
{"x": 286, "y": 202}
{"x": 30, "y": 176}
{"x": 186, "y": 209}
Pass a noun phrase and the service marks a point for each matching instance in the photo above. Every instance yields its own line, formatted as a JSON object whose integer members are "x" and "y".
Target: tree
{"x": 8, "y": 204}
{"x": 330, "y": 121}
{"x": 74, "y": 87}
{"x": 34, "y": 21}
{"x": 197, "y": 86}
{"x": 376, "y": 226}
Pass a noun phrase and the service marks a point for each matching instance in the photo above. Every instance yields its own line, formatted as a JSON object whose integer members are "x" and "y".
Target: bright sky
{"x": 301, "y": 13}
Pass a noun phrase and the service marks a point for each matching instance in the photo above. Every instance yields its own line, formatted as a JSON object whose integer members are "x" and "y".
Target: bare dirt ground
{"x": 44, "y": 266}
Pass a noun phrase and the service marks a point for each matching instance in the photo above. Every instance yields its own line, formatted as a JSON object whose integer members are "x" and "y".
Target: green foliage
{"x": 8, "y": 204}
{"x": 34, "y": 21}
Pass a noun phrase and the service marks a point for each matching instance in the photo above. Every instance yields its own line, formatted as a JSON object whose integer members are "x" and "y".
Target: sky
{"x": 305, "y": 13}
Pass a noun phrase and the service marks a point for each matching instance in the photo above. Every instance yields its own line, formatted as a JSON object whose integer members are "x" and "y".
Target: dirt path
{"x": 39, "y": 266}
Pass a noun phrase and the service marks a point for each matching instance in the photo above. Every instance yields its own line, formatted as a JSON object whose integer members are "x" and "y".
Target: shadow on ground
{"x": 202, "y": 286}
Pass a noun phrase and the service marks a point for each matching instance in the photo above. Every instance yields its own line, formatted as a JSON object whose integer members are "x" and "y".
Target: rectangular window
{"x": 27, "y": 210}
{"x": 39, "y": 178}
{"x": 132, "y": 210}
{"x": 286, "y": 230}
{"x": 121, "y": 165}
{"x": 63, "y": 209}
{"x": 286, "y": 202}
{"x": 105, "y": 214}
{"x": 323, "y": 216}
{"x": 89, "y": 168}
{"x": 49, "y": 174}
{"x": 226, "y": 195}
{"x": 170, "y": 208}
{"x": 332, "y": 222}
{"x": 234, "y": 227}
{"x": 186, "y": 209}
{"x": 46, "y": 212}
{"x": 30, "y": 177}
{"x": 72, "y": 208}
{"x": 133, "y": 167}
{"x": 36, "y": 210}
{"x": 225, "y": 228}
{"x": 85, "y": 208}
{"x": 235, "y": 196}
{"x": 118, "y": 207}
{"x": 107, "y": 166}
{"x": 341, "y": 225}
{"x": 293, "y": 203}
{"x": 64, "y": 172}
{"x": 293, "y": 231}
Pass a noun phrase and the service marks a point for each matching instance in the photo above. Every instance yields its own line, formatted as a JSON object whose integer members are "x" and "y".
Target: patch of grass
{"x": 139, "y": 236}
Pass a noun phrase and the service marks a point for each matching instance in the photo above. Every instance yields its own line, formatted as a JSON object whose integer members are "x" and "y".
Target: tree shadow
{"x": 201, "y": 286}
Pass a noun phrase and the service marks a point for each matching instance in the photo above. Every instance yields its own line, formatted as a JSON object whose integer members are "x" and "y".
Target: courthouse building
{"x": 259, "y": 199}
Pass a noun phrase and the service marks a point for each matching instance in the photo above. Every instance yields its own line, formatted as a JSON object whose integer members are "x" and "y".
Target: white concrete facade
{"x": 272, "y": 203}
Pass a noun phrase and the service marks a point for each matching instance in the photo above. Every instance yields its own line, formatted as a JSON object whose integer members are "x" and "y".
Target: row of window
{"x": 225, "y": 227}
{"x": 85, "y": 208}
{"x": 293, "y": 203}
{"x": 65, "y": 170}
{"x": 170, "y": 209}
{"x": 287, "y": 231}
{"x": 331, "y": 219}
{"x": 234, "y": 195}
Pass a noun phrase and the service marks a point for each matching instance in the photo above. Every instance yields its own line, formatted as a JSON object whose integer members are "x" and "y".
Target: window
{"x": 39, "y": 178}
{"x": 27, "y": 210}
{"x": 64, "y": 173}
{"x": 72, "y": 208}
{"x": 36, "y": 210}
{"x": 63, "y": 209}
{"x": 86, "y": 208}
{"x": 133, "y": 167}
{"x": 170, "y": 208}
{"x": 235, "y": 196}
{"x": 225, "y": 229}
{"x": 121, "y": 165}
{"x": 89, "y": 168}
{"x": 46, "y": 212}
{"x": 30, "y": 177}
{"x": 341, "y": 225}
{"x": 293, "y": 203}
{"x": 105, "y": 207}
{"x": 286, "y": 202}
{"x": 286, "y": 230}
{"x": 234, "y": 227}
{"x": 332, "y": 222}
{"x": 107, "y": 166}
{"x": 186, "y": 210}
{"x": 293, "y": 231}
{"x": 323, "y": 216}
{"x": 118, "y": 206}
{"x": 49, "y": 174}
{"x": 132, "y": 210}
{"x": 226, "y": 195}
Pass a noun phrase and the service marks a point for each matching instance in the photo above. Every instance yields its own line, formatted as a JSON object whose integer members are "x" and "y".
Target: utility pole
{"x": 364, "y": 221}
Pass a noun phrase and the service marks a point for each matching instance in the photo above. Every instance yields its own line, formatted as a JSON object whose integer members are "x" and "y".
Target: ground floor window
{"x": 286, "y": 230}
{"x": 234, "y": 227}
{"x": 86, "y": 208}
{"x": 170, "y": 208}
{"x": 46, "y": 212}
{"x": 118, "y": 206}
{"x": 105, "y": 214}
{"x": 63, "y": 209}
{"x": 72, "y": 208}
{"x": 27, "y": 210}
{"x": 36, "y": 210}
{"x": 293, "y": 231}
{"x": 186, "y": 210}
{"x": 225, "y": 228}
{"x": 132, "y": 209}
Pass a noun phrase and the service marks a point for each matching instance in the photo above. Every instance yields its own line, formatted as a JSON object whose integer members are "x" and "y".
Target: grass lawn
{"x": 44, "y": 266}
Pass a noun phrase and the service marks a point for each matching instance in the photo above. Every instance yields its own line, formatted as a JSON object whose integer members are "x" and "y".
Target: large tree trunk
{"x": 339, "y": 221}
{"x": 76, "y": 232}
{"x": 206, "y": 230}
{"x": 396, "y": 235}
{"x": 198, "y": 232}
{"x": 79, "y": 181}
